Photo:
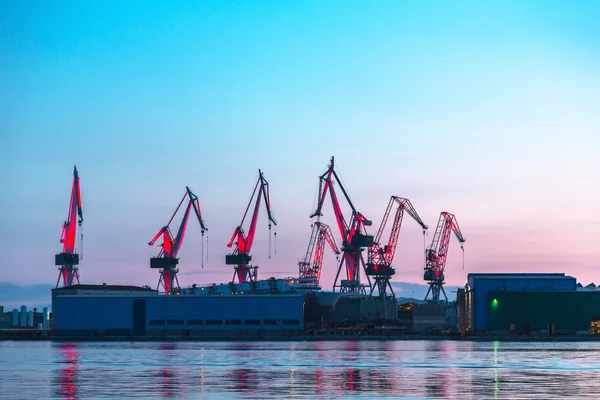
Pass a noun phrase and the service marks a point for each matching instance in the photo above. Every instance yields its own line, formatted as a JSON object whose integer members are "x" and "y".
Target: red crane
{"x": 167, "y": 259}
{"x": 240, "y": 257}
{"x": 379, "y": 264}
{"x": 436, "y": 253}
{"x": 354, "y": 235}
{"x": 69, "y": 259}
{"x": 321, "y": 233}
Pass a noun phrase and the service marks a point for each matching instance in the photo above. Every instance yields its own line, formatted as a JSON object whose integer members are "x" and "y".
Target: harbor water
{"x": 333, "y": 369}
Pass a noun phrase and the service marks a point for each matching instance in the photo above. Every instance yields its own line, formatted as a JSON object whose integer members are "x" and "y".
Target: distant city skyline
{"x": 485, "y": 110}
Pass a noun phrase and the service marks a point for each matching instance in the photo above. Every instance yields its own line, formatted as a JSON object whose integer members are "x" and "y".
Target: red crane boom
{"x": 354, "y": 236}
{"x": 437, "y": 252}
{"x": 381, "y": 257}
{"x": 321, "y": 233}
{"x": 68, "y": 260}
{"x": 167, "y": 260}
{"x": 243, "y": 243}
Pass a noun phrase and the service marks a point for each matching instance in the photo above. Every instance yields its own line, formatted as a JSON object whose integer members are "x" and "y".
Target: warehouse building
{"x": 99, "y": 310}
{"x": 542, "y": 311}
{"x": 482, "y": 289}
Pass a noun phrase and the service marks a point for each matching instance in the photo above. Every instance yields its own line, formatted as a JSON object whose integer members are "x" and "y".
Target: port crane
{"x": 321, "y": 233}
{"x": 436, "y": 253}
{"x": 167, "y": 260}
{"x": 379, "y": 264}
{"x": 68, "y": 260}
{"x": 240, "y": 257}
{"x": 354, "y": 236}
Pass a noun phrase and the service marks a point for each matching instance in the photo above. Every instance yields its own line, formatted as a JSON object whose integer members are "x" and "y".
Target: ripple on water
{"x": 411, "y": 369}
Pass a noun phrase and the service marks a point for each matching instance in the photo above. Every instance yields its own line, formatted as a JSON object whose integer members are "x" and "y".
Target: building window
{"x": 252, "y": 322}
{"x": 233, "y": 322}
{"x": 214, "y": 322}
{"x": 291, "y": 322}
{"x": 156, "y": 322}
{"x": 195, "y": 322}
{"x": 175, "y": 322}
{"x": 271, "y": 322}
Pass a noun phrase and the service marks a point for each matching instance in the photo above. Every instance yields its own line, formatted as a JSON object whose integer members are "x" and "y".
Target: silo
{"x": 15, "y": 318}
{"x": 45, "y": 318}
{"x": 30, "y": 318}
{"x": 23, "y": 316}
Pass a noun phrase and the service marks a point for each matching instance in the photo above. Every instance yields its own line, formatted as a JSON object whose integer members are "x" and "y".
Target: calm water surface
{"x": 399, "y": 369}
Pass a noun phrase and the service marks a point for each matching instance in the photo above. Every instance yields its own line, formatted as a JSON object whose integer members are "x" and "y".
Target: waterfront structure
{"x": 549, "y": 312}
{"x": 97, "y": 310}
{"x": 482, "y": 289}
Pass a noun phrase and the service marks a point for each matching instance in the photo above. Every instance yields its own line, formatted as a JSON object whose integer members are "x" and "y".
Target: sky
{"x": 488, "y": 110}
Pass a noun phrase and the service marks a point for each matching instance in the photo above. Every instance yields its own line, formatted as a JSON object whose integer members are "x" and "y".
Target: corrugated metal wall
{"x": 88, "y": 314}
{"x": 481, "y": 286}
{"x": 568, "y": 312}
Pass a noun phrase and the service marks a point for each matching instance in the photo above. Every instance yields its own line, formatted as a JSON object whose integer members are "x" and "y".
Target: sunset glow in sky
{"x": 488, "y": 110}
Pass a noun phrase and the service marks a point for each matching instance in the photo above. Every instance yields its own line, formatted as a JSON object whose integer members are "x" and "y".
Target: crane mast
{"x": 68, "y": 260}
{"x": 167, "y": 260}
{"x": 240, "y": 257}
{"x": 321, "y": 233}
{"x": 354, "y": 235}
{"x": 379, "y": 264}
{"x": 437, "y": 252}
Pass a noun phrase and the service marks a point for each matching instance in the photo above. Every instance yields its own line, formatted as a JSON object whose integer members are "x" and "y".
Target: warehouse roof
{"x": 518, "y": 275}
{"x": 125, "y": 288}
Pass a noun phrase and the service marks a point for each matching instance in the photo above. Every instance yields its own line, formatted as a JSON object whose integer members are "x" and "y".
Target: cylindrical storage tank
{"x": 15, "y": 318}
{"x": 39, "y": 326}
{"x": 30, "y": 318}
{"x": 23, "y": 316}
{"x": 45, "y": 318}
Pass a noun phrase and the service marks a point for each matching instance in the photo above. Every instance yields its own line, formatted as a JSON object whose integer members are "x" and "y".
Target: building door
{"x": 139, "y": 317}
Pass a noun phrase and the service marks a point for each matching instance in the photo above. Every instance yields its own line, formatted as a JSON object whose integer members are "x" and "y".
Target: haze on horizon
{"x": 487, "y": 110}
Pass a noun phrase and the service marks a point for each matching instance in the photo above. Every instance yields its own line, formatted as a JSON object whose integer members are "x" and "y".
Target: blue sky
{"x": 484, "y": 109}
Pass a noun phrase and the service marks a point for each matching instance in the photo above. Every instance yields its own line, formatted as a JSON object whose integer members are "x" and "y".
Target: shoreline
{"x": 305, "y": 338}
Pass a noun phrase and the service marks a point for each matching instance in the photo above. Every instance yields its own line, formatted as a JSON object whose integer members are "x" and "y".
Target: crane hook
{"x": 269, "y": 240}
{"x": 202, "y": 249}
{"x": 81, "y": 243}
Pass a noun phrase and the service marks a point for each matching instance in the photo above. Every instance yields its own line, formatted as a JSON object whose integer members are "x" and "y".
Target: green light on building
{"x": 494, "y": 304}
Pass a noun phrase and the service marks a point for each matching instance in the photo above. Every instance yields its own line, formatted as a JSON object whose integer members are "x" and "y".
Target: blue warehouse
{"x": 110, "y": 310}
{"x": 480, "y": 287}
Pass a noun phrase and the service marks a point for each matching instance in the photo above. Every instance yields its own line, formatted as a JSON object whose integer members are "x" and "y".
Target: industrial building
{"x": 501, "y": 302}
{"x": 363, "y": 309}
{"x": 549, "y": 312}
{"x": 110, "y": 310}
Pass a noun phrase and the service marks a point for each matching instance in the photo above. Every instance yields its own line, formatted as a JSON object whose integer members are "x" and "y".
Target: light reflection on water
{"x": 412, "y": 369}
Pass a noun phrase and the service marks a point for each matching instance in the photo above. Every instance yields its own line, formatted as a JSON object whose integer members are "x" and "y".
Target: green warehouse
{"x": 557, "y": 312}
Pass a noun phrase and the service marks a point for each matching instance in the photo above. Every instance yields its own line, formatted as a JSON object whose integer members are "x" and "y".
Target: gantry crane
{"x": 68, "y": 260}
{"x": 321, "y": 233}
{"x": 354, "y": 235}
{"x": 436, "y": 253}
{"x": 379, "y": 264}
{"x": 240, "y": 257}
{"x": 167, "y": 260}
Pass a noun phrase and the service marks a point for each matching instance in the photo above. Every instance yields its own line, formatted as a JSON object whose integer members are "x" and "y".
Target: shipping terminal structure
{"x": 248, "y": 306}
